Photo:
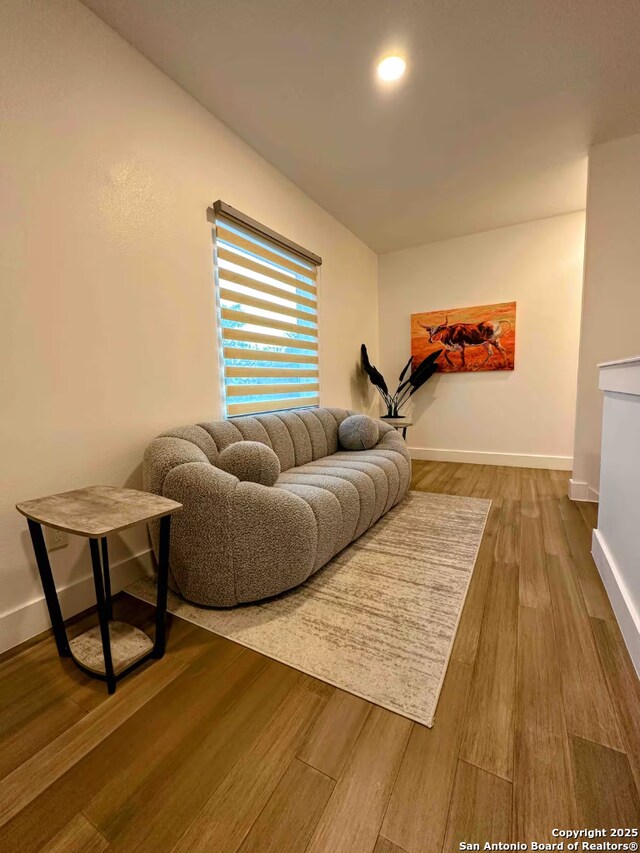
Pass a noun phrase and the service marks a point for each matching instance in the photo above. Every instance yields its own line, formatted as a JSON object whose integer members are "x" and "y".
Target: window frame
{"x": 234, "y": 233}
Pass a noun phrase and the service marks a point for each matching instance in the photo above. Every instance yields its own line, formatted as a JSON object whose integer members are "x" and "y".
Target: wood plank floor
{"x": 219, "y": 749}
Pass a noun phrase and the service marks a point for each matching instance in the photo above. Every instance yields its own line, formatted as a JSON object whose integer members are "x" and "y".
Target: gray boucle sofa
{"x": 238, "y": 541}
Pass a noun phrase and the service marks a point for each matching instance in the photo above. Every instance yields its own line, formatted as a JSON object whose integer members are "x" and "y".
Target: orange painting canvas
{"x": 471, "y": 339}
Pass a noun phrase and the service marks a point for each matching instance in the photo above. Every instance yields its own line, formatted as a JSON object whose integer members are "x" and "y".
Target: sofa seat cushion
{"x": 374, "y": 463}
{"x": 341, "y": 489}
{"x": 332, "y": 532}
{"x": 396, "y": 467}
{"x": 366, "y": 483}
{"x": 366, "y": 477}
{"x": 368, "y": 499}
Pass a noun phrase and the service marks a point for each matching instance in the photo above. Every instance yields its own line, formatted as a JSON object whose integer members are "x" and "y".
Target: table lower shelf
{"x": 128, "y": 645}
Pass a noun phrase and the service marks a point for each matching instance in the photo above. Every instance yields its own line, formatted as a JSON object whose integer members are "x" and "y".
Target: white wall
{"x": 107, "y": 309}
{"x": 523, "y": 417}
{"x": 610, "y": 328}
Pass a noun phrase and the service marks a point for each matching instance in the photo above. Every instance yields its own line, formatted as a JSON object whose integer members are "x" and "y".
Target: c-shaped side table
{"x": 114, "y": 649}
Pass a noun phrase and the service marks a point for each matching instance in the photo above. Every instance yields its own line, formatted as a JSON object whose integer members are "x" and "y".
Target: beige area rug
{"x": 379, "y": 620}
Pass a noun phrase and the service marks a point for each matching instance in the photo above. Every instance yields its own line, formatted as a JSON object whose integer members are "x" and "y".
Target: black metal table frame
{"x": 102, "y": 581}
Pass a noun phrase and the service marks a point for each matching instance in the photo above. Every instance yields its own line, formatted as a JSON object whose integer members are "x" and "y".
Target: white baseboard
{"x": 623, "y": 607}
{"x": 30, "y": 619}
{"x": 480, "y": 457}
{"x": 581, "y": 491}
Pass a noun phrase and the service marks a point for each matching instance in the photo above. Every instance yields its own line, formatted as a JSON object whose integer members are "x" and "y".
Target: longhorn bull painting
{"x": 472, "y": 339}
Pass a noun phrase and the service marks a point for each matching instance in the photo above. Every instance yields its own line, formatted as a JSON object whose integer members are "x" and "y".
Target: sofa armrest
{"x": 234, "y": 540}
{"x": 391, "y": 440}
{"x": 275, "y": 539}
{"x": 384, "y": 428}
{"x": 201, "y": 535}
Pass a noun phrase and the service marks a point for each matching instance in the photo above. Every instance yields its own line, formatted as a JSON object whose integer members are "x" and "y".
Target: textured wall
{"x": 107, "y": 306}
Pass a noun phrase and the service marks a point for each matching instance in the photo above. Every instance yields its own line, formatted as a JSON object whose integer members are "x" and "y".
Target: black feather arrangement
{"x": 406, "y": 387}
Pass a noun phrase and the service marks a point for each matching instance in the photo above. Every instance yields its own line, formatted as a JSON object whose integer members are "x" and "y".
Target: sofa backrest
{"x": 297, "y": 437}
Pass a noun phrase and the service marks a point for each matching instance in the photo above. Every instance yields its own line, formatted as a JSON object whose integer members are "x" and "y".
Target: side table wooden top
{"x": 398, "y": 423}
{"x": 96, "y": 511}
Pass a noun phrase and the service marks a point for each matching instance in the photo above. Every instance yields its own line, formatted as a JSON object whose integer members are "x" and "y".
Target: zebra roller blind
{"x": 268, "y": 319}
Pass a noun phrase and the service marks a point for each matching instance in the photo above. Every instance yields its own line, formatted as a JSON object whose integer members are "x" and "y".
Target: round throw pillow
{"x": 358, "y": 432}
{"x": 250, "y": 460}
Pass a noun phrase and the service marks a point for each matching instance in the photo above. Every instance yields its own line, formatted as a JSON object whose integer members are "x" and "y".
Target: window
{"x": 267, "y": 316}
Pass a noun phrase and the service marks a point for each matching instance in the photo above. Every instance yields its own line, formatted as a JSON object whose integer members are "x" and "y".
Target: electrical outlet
{"x": 55, "y": 539}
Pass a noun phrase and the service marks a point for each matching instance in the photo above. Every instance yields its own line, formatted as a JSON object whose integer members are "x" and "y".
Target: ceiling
{"x": 490, "y": 126}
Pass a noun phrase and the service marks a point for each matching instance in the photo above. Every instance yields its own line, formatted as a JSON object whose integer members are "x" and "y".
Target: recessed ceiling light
{"x": 391, "y": 68}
